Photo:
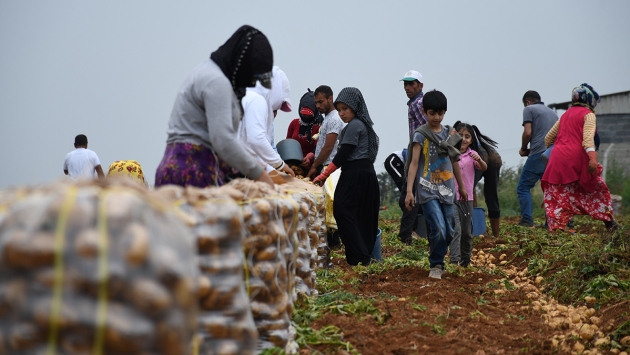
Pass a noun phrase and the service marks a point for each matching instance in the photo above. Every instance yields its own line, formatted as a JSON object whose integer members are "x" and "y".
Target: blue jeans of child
{"x": 532, "y": 172}
{"x": 440, "y": 219}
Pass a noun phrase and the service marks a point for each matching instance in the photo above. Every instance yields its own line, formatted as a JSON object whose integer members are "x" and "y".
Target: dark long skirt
{"x": 356, "y": 205}
{"x": 187, "y": 164}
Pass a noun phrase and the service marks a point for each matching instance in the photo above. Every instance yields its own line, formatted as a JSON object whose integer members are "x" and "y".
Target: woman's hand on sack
{"x": 264, "y": 177}
{"x": 288, "y": 170}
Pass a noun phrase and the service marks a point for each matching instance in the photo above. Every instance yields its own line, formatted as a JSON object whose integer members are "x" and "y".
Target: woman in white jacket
{"x": 260, "y": 106}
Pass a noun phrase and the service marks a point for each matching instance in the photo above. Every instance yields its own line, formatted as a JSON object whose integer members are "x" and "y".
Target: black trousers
{"x": 395, "y": 167}
{"x": 357, "y": 200}
{"x": 409, "y": 219}
{"x": 491, "y": 184}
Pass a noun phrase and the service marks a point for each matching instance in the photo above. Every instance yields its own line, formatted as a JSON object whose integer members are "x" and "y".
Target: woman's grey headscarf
{"x": 354, "y": 99}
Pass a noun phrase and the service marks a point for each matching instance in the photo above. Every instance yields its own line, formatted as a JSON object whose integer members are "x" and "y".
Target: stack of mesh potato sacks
{"x": 111, "y": 268}
{"x": 95, "y": 268}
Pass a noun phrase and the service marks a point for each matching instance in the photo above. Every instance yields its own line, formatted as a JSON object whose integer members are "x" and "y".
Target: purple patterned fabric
{"x": 191, "y": 164}
{"x": 416, "y": 118}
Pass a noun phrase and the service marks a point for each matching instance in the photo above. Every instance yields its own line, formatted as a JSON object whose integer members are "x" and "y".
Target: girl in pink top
{"x": 461, "y": 245}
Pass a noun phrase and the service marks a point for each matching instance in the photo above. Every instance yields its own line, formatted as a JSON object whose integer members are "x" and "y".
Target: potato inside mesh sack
{"x": 270, "y": 259}
{"x": 317, "y": 217}
{"x": 225, "y": 322}
{"x": 10, "y": 196}
{"x": 96, "y": 267}
{"x": 306, "y": 255}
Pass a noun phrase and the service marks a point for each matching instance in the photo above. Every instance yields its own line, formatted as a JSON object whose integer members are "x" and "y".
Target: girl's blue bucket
{"x": 376, "y": 252}
{"x": 478, "y": 221}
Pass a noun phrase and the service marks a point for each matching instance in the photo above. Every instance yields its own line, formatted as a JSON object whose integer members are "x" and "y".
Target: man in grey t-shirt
{"x": 537, "y": 121}
{"x": 329, "y": 130}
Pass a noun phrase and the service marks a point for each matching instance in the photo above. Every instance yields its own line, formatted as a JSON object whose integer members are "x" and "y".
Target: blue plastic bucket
{"x": 478, "y": 221}
{"x": 376, "y": 252}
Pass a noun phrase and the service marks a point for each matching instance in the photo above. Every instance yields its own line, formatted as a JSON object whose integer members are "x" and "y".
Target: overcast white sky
{"x": 111, "y": 69}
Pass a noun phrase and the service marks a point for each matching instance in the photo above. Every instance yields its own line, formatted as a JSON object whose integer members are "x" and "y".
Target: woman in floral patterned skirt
{"x": 572, "y": 183}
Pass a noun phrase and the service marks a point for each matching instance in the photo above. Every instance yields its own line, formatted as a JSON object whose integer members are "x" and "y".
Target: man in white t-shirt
{"x": 82, "y": 162}
{"x": 326, "y": 147}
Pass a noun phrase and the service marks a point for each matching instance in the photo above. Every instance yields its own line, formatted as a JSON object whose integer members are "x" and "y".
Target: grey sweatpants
{"x": 461, "y": 245}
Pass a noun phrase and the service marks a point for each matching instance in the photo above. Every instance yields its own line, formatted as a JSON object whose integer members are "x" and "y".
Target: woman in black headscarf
{"x": 357, "y": 195}
{"x": 202, "y": 148}
{"x": 306, "y": 128}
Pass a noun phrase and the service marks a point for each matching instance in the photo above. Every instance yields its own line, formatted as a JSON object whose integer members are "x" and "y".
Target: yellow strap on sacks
{"x": 60, "y": 243}
{"x": 195, "y": 344}
{"x": 103, "y": 273}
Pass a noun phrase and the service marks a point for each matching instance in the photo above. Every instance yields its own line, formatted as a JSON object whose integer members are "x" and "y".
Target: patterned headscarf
{"x": 354, "y": 99}
{"x": 585, "y": 95}
{"x": 129, "y": 168}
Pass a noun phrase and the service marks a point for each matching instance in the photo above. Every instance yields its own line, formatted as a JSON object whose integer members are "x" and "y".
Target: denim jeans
{"x": 532, "y": 172}
{"x": 440, "y": 219}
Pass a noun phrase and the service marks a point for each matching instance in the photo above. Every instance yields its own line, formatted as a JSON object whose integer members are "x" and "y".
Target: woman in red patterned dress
{"x": 572, "y": 182}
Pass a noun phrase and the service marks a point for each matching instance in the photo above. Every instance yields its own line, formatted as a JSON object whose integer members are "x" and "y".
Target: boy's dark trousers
{"x": 409, "y": 219}
{"x": 395, "y": 167}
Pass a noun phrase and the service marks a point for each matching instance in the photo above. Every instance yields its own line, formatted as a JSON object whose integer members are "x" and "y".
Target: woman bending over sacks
{"x": 202, "y": 148}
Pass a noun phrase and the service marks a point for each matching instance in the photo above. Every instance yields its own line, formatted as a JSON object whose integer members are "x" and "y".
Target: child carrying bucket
{"x": 461, "y": 245}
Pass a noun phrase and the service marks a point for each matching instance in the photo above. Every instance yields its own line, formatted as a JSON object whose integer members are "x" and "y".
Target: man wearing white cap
{"x": 413, "y": 83}
{"x": 413, "y": 88}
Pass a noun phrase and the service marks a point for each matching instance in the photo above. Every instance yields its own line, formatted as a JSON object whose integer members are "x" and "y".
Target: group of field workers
{"x": 222, "y": 128}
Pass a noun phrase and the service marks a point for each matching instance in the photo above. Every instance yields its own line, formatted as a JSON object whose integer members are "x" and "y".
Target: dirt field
{"x": 476, "y": 310}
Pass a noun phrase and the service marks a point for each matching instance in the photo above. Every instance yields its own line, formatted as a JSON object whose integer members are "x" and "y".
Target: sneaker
{"x": 526, "y": 224}
{"x": 436, "y": 272}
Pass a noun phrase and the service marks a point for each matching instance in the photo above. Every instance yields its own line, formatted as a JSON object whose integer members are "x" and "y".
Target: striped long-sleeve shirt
{"x": 588, "y": 142}
{"x": 416, "y": 118}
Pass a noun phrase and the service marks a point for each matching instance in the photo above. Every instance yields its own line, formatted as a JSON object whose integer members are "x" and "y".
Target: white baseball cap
{"x": 412, "y": 75}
